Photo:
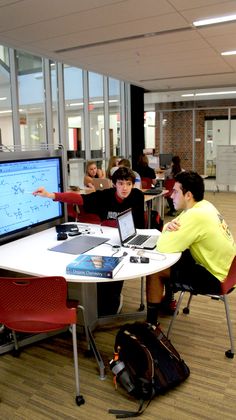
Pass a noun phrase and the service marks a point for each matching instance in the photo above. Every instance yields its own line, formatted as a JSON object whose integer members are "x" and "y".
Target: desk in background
{"x": 158, "y": 199}
{"x": 160, "y": 178}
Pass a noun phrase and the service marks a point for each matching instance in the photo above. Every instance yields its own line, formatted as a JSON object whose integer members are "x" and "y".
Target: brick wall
{"x": 178, "y": 130}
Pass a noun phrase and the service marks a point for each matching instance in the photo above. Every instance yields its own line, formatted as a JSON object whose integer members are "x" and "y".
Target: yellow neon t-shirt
{"x": 205, "y": 233}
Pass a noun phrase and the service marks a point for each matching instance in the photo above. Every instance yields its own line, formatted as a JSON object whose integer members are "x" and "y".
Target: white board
{"x": 226, "y": 165}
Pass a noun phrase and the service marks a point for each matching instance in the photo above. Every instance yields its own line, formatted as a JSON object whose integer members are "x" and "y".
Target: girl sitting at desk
{"x": 91, "y": 172}
{"x": 107, "y": 204}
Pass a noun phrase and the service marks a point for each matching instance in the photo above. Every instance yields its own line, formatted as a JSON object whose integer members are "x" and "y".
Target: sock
{"x": 152, "y": 312}
{"x": 169, "y": 294}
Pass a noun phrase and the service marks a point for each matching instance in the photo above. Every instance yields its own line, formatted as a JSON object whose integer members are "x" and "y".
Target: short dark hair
{"x": 123, "y": 173}
{"x": 193, "y": 182}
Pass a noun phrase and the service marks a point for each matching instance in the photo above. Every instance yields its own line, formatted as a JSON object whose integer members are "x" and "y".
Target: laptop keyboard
{"x": 139, "y": 240}
{"x": 148, "y": 241}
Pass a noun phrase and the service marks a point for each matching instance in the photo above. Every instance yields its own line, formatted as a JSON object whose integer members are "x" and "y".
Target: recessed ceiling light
{"x": 212, "y": 21}
{"x": 228, "y": 53}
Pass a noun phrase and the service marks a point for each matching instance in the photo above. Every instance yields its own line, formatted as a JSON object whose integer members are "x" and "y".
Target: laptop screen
{"x": 126, "y": 225}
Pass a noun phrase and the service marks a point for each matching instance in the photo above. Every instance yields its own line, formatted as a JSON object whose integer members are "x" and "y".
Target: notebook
{"x": 128, "y": 235}
{"x": 101, "y": 183}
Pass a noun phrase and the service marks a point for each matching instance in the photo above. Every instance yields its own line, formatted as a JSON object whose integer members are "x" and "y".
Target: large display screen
{"x": 20, "y": 211}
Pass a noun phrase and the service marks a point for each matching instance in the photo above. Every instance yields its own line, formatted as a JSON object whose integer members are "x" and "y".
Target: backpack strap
{"x": 123, "y": 414}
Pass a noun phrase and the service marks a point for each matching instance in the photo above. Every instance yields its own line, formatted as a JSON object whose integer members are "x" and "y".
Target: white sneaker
{"x": 121, "y": 304}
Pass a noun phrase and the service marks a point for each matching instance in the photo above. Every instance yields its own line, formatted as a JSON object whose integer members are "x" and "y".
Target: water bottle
{"x": 119, "y": 370}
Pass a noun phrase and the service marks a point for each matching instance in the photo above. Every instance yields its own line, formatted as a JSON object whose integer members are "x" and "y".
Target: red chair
{"x": 169, "y": 185}
{"x": 226, "y": 287}
{"x": 80, "y": 215}
{"x": 39, "y": 305}
{"x": 146, "y": 183}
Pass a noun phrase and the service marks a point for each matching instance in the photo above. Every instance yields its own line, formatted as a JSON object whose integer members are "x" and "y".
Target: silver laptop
{"x": 102, "y": 183}
{"x": 128, "y": 235}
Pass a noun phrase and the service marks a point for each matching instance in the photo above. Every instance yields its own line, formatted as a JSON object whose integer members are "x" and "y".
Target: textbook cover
{"x": 95, "y": 266}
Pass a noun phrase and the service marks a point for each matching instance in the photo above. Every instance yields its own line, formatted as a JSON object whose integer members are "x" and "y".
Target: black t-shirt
{"x": 146, "y": 172}
{"x": 105, "y": 204}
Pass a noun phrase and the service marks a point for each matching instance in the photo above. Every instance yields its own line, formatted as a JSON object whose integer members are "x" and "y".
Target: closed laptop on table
{"x": 128, "y": 235}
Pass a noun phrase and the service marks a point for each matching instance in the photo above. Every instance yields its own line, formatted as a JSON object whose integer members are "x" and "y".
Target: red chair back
{"x": 230, "y": 280}
{"x": 146, "y": 183}
{"x": 169, "y": 185}
{"x": 85, "y": 217}
{"x": 35, "y": 304}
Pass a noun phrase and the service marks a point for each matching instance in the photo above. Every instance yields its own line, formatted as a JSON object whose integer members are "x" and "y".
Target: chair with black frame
{"x": 227, "y": 286}
{"x": 39, "y": 305}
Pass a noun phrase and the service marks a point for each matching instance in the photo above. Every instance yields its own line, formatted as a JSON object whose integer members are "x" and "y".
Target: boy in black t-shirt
{"x": 107, "y": 204}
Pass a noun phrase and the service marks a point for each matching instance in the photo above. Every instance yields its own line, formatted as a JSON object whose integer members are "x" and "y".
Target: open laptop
{"x": 128, "y": 235}
{"x": 101, "y": 183}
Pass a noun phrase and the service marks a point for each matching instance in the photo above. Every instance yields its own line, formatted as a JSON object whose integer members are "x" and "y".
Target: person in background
{"x": 91, "y": 172}
{"x": 170, "y": 173}
{"x": 144, "y": 170}
{"x": 174, "y": 168}
{"x": 203, "y": 237}
{"x": 126, "y": 163}
{"x": 112, "y": 163}
{"x": 107, "y": 204}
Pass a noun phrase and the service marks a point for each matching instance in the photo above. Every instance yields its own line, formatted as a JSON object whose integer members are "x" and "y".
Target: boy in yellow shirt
{"x": 204, "y": 239}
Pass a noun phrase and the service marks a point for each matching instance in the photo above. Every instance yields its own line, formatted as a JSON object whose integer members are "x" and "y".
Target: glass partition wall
{"x": 30, "y": 84}
{"x": 44, "y": 102}
{"x": 6, "y": 124}
{"x": 192, "y": 130}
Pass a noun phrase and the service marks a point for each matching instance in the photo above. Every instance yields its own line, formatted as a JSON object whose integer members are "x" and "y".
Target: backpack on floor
{"x": 146, "y": 364}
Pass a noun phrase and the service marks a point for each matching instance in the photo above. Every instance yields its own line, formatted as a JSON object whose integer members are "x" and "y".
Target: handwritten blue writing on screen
{"x": 18, "y": 207}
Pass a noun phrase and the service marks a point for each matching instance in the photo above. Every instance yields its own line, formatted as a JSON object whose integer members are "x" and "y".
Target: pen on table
{"x": 101, "y": 230}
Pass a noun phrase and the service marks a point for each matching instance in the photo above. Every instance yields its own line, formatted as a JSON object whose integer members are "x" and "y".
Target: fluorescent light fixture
{"x": 228, "y": 53}
{"x": 216, "y": 93}
{"x": 76, "y": 104}
{"x": 5, "y": 112}
{"x": 215, "y": 20}
{"x": 229, "y": 92}
{"x": 96, "y": 102}
{"x": 3, "y": 98}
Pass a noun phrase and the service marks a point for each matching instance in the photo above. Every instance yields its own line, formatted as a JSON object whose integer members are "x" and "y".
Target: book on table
{"x": 95, "y": 266}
